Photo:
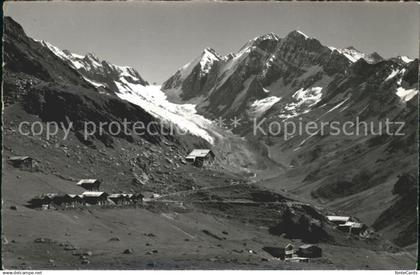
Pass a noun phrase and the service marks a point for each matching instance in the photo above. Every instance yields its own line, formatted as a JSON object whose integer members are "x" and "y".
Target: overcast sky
{"x": 156, "y": 38}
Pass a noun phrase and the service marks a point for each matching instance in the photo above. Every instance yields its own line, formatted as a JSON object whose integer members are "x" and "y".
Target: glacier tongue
{"x": 154, "y": 101}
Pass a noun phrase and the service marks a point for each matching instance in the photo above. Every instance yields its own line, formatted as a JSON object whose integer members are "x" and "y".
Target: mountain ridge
{"x": 296, "y": 78}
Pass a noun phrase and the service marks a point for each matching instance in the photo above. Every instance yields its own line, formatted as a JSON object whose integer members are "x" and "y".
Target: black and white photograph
{"x": 210, "y": 135}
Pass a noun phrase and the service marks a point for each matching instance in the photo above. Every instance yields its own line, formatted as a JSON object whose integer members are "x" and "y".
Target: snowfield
{"x": 259, "y": 107}
{"x": 310, "y": 96}
{"x": 304, "y": 99}
{"x": 406, "y": 59}
{"x": 406, "y": 95}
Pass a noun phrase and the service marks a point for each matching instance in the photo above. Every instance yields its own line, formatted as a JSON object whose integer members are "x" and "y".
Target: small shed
{"x": 309, "y": 251}
{"x": 89, "y": 184}
{"x": 95, "y": 198}
{"x": 200, "y": 157}
{"x": 24, "y": 162}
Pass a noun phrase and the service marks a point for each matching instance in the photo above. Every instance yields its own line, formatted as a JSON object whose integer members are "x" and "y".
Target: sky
{"x": 157, "y": 38}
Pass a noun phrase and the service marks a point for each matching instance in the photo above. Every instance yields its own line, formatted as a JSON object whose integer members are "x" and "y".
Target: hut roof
{"x": 73, "y": 196}
{"x": 353, "y": 224}
{"x": 338, "y": 218}
{"x": 19, "y": 158}
{"x": 199, "y": 153}
{"x": 91, "y": 194}
{"x": 115, "y": 196}
{"x": 87, "y": 181}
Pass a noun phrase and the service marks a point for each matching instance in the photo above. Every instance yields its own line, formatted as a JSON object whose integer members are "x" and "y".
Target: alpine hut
{"x": 23, "y": 162}
{"x": 200, "y": 157}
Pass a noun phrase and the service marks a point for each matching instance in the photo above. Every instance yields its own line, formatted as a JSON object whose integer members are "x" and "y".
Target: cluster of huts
{"x": 347, "y": 224}
{"x": 90, "y": 197}
{"x": 291, "y": 254}
{"x": 305, "y": 252}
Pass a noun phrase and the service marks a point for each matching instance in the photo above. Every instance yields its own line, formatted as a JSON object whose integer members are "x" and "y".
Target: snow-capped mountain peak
{"x": 297, "y": 34}
{"x": 208, "y": 57}
{"x": 282, "y": 66}
{"x": 92, "y": 66}
{"x": 267, "y": 36}
{"x": 60, "y": 53}
{"x": 211, "y": 52}
{"x": 200, "y": 68}
{"x": 301, "y": 33}
{"x": 91, "y": 58}
{"x": 405, "y": 59}
{"x": 259, "y": 41}
{"x": 353, "y": 54}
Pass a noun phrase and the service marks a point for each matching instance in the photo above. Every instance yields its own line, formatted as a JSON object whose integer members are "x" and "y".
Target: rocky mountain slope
{"x": 273, "y": 81}
{"x": 127, "y": 84}
{"x": 39, "y": 86}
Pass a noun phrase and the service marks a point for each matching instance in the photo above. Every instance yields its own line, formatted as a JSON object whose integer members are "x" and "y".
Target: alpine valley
{"x": 263, "y": 190}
